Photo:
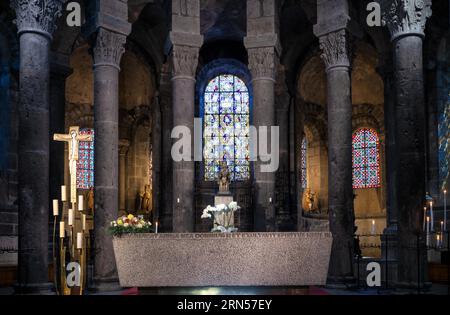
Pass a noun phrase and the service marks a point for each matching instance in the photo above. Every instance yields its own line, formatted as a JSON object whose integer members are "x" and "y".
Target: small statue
{"x": 224, "y": 178}
{"x": 90, "y": 200}
{"x": 146, "y": 200}
{"x": 309, "y": 200}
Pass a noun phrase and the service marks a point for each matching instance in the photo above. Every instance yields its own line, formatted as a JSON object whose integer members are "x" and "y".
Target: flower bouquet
{"x": 223, "y": 216}
{"x": 130, "y": 224}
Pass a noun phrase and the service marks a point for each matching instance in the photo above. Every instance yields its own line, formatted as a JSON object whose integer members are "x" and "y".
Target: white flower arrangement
{"x": 222, "y": 215}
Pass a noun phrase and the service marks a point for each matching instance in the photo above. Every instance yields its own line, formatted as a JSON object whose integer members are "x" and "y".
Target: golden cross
{"x": 73, "y": 138}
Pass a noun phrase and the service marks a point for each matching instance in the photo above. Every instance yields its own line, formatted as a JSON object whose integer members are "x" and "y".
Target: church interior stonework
{"x": 269, "y": 145}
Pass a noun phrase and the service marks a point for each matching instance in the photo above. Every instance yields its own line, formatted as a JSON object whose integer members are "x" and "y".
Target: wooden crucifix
{"x": 73, "y": 138}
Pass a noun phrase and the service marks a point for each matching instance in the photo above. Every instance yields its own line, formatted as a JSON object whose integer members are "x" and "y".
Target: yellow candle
{"x": 79, "y": 240}
{"x": 55, "y": 207}
{"x": 61, "y": 229}
{"x": 80, "y": 203}
{"x": 63, "y": 193}
{"x": 70, "y": 217}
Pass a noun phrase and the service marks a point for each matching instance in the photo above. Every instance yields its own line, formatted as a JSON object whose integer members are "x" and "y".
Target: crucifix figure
{"x": 73, "y": 138}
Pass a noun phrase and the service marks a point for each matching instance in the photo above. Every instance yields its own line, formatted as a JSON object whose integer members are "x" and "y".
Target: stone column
{"x": 406, "y": 22}
{"x": 263, "y": 49}
{"x": 186, "y": 40}
{"x": 59, "y": 71}
{"x": 156, "y": 159}
{"x": 36, "y": 22}
{"x": 166, "y": 163}
{"x": 389, "y": 238}
{"x": 282, "y": 102}
{"x": 335, "y": 54}
{"x": 124, "y": 145}
{"x": 108, "y": 49}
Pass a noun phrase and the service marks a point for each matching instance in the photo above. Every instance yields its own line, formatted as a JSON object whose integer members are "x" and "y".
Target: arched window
{"x": 85, "y": 164}
{"x": 226, "y": 116}
{"x": 303, "y": 172}
{"x": 366, "y": 159}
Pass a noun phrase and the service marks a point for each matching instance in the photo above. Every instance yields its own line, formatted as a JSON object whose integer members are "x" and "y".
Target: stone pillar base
{"x": 105, "y": 285}
{"x": 34, "y": 289}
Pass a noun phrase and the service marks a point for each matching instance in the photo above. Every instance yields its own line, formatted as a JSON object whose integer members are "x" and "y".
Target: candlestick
{"x": 424, "y": 217}
{"x": 63, "y": 193}
{"x": 79, "y": 240}
{"x": 80, "y": 203}
{"x": 83, "y": 222}
{"x": 445, "y": 210}
{"x": 55, "y": 207}
{"x": 70, "y": 217}
{"x": 62, "y": 231}
{"x": 432, "y": 216}
{"x": 372, "y": 231}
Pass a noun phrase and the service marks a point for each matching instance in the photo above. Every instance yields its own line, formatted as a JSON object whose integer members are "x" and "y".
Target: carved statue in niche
{"x": 310, "y": 201}
{"x": 146, "y": 200}
{"x": 224, "y": 178}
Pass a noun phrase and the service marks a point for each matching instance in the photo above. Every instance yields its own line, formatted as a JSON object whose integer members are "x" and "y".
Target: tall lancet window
{"x": 366, "y": 159}
{"x": 226, "y": 127}
{"x": 85, "y": 164}
{"x": 304, "y": 163}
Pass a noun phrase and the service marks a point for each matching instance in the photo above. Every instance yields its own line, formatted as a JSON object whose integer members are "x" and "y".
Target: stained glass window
{"x": 366, "y": 159}
{"x": 303, "y": 174}
{"x": 85, "y": 164}
{"x": 226, "y": 128}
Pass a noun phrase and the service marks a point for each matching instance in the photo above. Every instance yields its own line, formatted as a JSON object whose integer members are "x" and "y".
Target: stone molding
{"x": 108, "y": 48}
{"x": 335, "y": 49}
{"x": 229, "y": 235}
{"x": 37, "y": 16}
{"x": 405, "y": 17}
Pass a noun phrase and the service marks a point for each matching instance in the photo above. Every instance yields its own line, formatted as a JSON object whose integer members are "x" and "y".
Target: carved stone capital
{"x": 335, "y": 49}
{"x": 262, "y": 62}
{"x": 405, "y": 17}
{"x": 37, "y": 16}
{"x": 108, "y": 48}
{"x": 184, "y": 61}
{"x": 124, "y": 145}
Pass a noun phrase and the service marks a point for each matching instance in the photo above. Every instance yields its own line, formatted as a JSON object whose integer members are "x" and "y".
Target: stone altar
{"x": 222, "y": 259}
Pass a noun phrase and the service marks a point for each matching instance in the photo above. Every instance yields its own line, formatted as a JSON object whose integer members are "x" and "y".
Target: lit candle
{"x": 83, "y": 222}
{"x": 373, "y": 228}
{"x": 61, "y": 229}
{"x": 55, "y": 207}
{"x": 270, "y": 200}
{"x": 438, "y": 240}
{"x": 156, "y": 227}
{"x": 80, "y": 203}
{"x": 70, "y": 217}
{"x": 432, "y": 216}
{"x": 445, "y": 210}
{"x": 428, "y": 231}
{"x": 178, "y": 200}
{"x": 79, "y": 240}
{"x": 63, "y": 193}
